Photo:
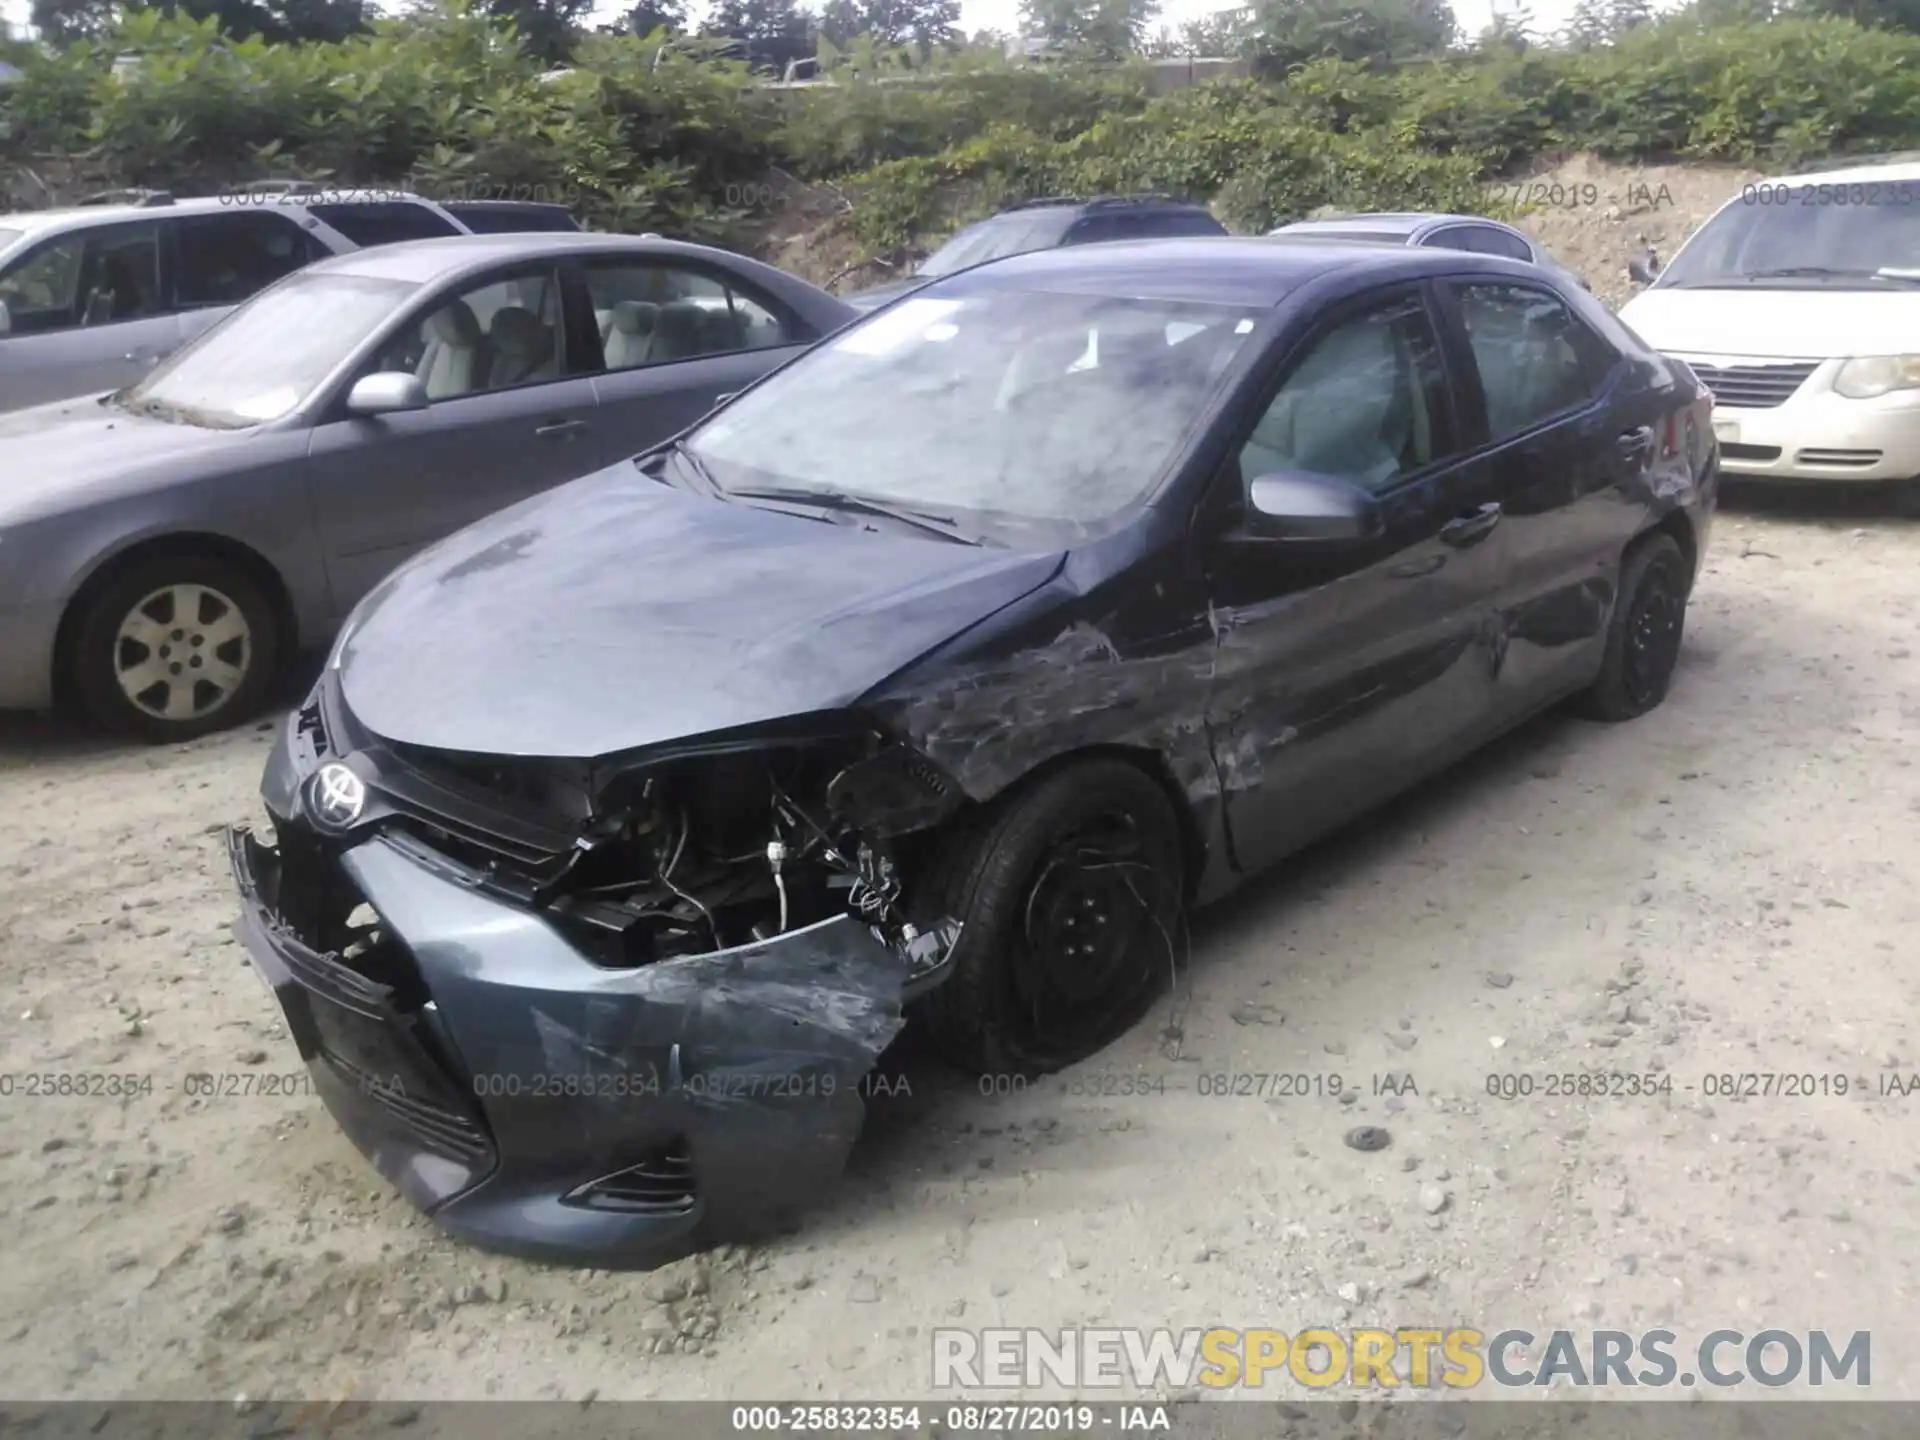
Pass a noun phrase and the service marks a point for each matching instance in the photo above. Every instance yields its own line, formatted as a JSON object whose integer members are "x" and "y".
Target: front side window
{"x": 1018, "y": 413}
{"x": 92, "y": 277}
{"x": 1535, "y": 357}
{"x": 1367, "y": 403}
{"x": 503, "y": 332}
{"x": 223, "y": 259}
{"x": 266, "y": 358}
{"x": 652, "y": 313}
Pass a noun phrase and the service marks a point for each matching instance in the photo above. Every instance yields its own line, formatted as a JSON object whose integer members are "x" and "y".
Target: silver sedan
{"x": 163, "y": 548}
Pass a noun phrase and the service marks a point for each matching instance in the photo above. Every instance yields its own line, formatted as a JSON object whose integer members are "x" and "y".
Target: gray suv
{"x": 92, "y": 297}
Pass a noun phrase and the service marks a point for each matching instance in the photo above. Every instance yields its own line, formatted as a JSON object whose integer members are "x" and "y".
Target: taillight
{"x": 1670, "y": 436}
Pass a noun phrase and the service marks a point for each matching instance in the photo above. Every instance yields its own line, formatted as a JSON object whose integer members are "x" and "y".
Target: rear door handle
{"x": 142, "y": 357}
{"x": 1472, "y": 527}
{"x": 1636, "y": 442}
{"x": 560, "y": 429}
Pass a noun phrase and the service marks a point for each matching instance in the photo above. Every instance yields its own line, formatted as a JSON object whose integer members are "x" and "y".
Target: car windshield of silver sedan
{"x": 1002, "y": 412}
{"x": 265, "y": 359}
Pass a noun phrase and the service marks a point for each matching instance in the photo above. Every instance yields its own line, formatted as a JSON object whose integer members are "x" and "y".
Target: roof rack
{"x": 129, "y": 197}
{"x": 1046, "y": 200}
{"x": 1113, "y": 201}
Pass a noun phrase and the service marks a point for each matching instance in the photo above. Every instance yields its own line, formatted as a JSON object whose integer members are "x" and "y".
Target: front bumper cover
{"x": 538, "y": 1104}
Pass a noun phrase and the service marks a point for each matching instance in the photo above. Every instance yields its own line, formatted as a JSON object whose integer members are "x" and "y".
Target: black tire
{"x": 1099, "y": 835}
{"x": 1644, "y": 636}
{"x": 208, "y": 649}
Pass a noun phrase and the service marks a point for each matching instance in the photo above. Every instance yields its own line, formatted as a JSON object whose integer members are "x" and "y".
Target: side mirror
{"x": 1304, "y": 505}
{"x": 386, "y": 393}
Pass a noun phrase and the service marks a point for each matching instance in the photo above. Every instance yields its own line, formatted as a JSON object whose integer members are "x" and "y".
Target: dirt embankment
{"x": 1593, "y": 215}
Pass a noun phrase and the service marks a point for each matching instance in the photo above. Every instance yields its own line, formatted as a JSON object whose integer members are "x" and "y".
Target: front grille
{"x": 1754, "y": 387}
{"x": 1853, "y": 459}
{"x": 662, "y": 1184}
{"x": 1729, "y": 450}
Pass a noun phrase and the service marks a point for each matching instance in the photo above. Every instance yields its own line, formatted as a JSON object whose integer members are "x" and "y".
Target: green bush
{"x": 652, "y": 134}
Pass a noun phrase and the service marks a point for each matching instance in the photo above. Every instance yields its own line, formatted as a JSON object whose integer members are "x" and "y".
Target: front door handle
{"x": 560, "y": 429}
{"x": 1472, "y": 527}
{"x": 142, "y": 357}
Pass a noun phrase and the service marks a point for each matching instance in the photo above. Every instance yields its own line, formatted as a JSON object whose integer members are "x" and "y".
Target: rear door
{"x": 1343, "y": 675}
{"x": 512, "y": 413}
{"x": 1563, "y": 429}
{"x": 88, "y": 311}
{"x": 675, "y": 337}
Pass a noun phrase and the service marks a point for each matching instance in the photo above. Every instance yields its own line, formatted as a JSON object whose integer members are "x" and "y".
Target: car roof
{"x": 1400, "y": 223}
{"x": 425, "y": 261}
{"x": 1887, "y": 171}
{"x": 35, "y": 222}
{"x": 1216, "y": 269}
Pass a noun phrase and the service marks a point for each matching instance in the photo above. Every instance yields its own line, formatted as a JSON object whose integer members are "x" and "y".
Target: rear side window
{"x": 1486, "y": 240}
{"x": 1143, "y": 225}
{"x": 384, "y": 222}
{"x": 1536, "y": 358}
{"x": 485, "y": 219}
{"x": 224, "y": 259}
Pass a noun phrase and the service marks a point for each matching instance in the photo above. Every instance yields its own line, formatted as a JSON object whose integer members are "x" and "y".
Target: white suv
{"x": 92, "y": 297}
{"x": 1798, "y": 305}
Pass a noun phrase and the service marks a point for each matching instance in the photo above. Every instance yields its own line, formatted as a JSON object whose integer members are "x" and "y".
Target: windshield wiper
{"x": 1822, "y": 272}
{"x": 945, "y": 526}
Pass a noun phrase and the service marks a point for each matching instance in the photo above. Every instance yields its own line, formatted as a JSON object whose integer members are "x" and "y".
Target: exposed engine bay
{"x": 709, "y": 850}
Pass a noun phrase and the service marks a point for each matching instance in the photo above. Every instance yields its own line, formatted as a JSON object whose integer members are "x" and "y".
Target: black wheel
{"x": 1643, "y": 639}
{"x": 173, "y": 647}
{"x": 1070, "y": 896}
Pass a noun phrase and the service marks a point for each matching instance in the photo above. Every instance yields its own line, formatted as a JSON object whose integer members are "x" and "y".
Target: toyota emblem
{"x": 339, "y": 795}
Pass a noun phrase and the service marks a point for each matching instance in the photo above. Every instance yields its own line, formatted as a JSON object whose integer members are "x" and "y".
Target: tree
{"x": 546, "y": 27}
{"x": 62, "y": 22}
{"x": 1297, "y": 31}
{"x": 1108, "y": 29}
{"x": 922, "y": 24}
{"x": 771, "y": 33}
{"x": 1509, "y": 30}
{"x": 651, "y": 15}
{"x": 1602, "y": 22}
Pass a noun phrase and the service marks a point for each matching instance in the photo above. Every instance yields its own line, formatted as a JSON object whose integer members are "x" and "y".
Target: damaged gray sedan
{"x": 932, "y": 681}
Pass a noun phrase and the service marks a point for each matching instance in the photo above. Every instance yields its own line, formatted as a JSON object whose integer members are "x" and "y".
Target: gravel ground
{"x": 1724, "y": 886}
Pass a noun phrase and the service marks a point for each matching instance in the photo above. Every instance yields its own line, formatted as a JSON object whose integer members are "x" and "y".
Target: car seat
{"x": 629, "y": 332}
{"x": 451, "y": 364}
{"x": 519, "y": 348}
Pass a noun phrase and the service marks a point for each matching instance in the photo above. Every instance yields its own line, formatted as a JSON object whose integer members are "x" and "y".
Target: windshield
{"x": 1007, "y": 412}
{"x": 1820, "y": 236}
{"x": 267, "y": 357}
{"x": 1003, "y": 235}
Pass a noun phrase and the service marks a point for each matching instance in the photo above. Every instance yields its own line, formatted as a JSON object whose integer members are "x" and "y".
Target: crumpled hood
{"x": 616, "y": 612}
{"x": 72, "y": 448}
{"x": 1792, "y": 324}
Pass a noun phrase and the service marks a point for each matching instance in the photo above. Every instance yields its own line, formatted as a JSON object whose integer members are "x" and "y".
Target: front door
{"x": 1343, "y": 674}
{"x": 509, "y": 415}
